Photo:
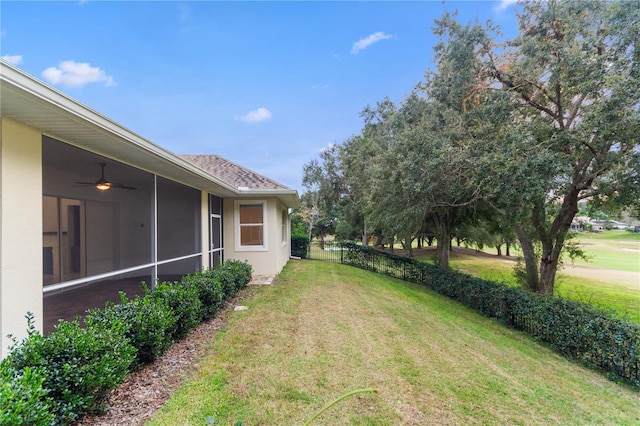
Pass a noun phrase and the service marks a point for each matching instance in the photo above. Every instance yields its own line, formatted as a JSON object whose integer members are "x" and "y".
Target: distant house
{"x": 88, "y": 204}
{"x": 580, "y": 223}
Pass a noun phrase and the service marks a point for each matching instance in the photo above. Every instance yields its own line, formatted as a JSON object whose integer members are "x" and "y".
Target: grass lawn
{"x": 623, "y": 297}
{"x": 326, "y": 329}
{"x": 618, "y": 250}
{"x": 611, "y": 279}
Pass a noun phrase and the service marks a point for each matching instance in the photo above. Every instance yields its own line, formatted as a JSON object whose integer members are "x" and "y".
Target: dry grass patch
{"x": 323, "y": 330}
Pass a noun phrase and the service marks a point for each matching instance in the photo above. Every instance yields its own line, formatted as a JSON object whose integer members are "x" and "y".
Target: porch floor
{"x": 70, "y": 304}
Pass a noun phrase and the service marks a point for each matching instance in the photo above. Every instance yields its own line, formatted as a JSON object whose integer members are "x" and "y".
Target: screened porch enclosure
{"x": 98, "y": 243}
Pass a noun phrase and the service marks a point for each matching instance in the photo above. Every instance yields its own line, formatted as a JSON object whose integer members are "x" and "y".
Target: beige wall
{"x": 21, "y": 230}
{"x": 266, "y": 262}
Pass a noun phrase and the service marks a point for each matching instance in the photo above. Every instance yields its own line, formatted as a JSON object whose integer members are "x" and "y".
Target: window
{"x": 251, "y": 232}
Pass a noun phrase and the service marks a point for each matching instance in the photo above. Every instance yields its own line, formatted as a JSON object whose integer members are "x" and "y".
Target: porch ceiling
{"x": 32, "y": 102}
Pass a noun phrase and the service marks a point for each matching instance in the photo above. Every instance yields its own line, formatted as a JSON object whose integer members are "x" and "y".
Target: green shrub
{"x": 23, "y": 399}
{"x": 300, "y": 246}
{"x": 184, "y": 302}
{"x": 80, "y": 365}
{"x": 226, "y": 280}
{"x": 55, "y": 379}
{"x": 148, "y": 324}
{"x": 241, "y": 272}
{"x": 209, "y": 290}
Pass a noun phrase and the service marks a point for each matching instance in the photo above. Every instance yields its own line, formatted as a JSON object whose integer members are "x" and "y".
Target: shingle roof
{"x": 232, "y": 173}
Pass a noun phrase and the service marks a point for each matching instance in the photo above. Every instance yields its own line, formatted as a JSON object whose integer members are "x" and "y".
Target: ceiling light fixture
{"x": 102, "y": 184}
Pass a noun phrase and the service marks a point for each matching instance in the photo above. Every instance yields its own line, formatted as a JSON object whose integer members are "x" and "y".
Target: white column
{"x": 20, "y": 230}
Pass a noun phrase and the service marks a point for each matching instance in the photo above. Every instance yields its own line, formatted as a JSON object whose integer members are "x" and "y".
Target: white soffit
{"x": 37, "y": 105}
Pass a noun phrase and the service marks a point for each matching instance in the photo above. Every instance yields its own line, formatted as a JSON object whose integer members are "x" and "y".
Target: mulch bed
{"x": 146, "y": 390}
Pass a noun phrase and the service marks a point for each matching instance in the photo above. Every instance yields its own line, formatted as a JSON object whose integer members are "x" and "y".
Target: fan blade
{"x": 121, "y": 186}
{"x": 103, "y": 184}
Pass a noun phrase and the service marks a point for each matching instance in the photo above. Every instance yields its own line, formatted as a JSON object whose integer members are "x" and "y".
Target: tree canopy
{"x": 507, "y": 135}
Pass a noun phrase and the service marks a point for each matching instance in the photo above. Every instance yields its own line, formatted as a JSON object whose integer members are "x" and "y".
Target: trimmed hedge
{"x": 23, "y": 399}
{"x": 80, "y": 367}
{"x": 183, "y": 301}
{"x": 148, "y": 324}
{"x": 210, "y": 292}
{"x": 57, "y": 378}
{"x": 577, "y": 330}
{"x": 300, "y": 247}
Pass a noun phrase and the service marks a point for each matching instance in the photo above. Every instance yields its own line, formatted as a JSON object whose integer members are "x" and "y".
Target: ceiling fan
{"x": 103, "y": 184}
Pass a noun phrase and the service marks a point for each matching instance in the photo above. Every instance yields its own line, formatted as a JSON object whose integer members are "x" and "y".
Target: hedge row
{"x": 577, "y": 330}
{"x": 57, "y": 378}
{"x": 299, "y": 246}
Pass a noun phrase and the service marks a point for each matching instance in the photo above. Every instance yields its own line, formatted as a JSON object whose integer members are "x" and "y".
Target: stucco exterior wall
{"x": 264, "y": 262}
{"x": 21, "y": 230}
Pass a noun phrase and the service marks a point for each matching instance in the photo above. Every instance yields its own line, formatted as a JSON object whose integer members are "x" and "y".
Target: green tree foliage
{"x": 527, "y": 127}
{"x": 571, "y": 84}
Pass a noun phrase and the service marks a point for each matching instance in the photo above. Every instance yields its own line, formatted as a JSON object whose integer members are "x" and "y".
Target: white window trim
{"x": 236, "y": 214}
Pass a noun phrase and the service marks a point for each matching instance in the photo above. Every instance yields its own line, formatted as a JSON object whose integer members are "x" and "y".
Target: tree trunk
{"x": 541, "y": 278}
{"x": 444, "y": 243}
{"x": 499, "y": 249}
{"x": 365, "y": 236}
{"x": 530, "y": 260}
{"x": 408, "y": 246}
{"x": 553, "y": 241}
{"x": 508, "y": 247}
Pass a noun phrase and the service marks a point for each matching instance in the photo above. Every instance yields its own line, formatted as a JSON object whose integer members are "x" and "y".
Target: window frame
{"x": 237, "y": 225}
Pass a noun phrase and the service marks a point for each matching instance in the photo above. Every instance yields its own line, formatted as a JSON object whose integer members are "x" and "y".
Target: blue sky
{"x": 267, "y": 85}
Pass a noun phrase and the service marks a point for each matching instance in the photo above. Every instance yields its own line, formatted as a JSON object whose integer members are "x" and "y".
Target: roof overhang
{"x": 27, "y": 100}
{"x": 289, "y": 197}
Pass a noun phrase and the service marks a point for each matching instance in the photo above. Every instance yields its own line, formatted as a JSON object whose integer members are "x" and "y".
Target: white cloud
{"x": 13, "y": 59}
{"x": 320, "y": 86}
{"x": 76, "y": 74}
{"x": 368, "y": 41}
{"x": 329, "y": 147}
{"x": 257, "y": 115}
{"x": 504, "y": 5}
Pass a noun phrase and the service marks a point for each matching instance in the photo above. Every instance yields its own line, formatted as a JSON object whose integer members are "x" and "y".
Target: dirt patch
{"x": 626, "y": 278}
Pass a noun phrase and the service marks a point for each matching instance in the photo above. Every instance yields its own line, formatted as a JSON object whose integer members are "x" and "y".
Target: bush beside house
{"x": 57, "y": 378}
{"x": 300, "y": 246}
